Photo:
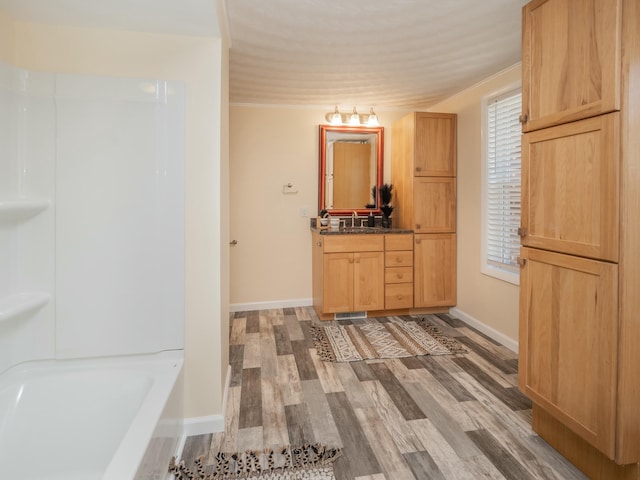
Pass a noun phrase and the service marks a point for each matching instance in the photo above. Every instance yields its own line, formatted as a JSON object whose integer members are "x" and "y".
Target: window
{"x": 501, "y": 199}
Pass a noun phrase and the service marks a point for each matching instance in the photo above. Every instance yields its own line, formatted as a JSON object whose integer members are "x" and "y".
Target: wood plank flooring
{"x": 434, "y": 417}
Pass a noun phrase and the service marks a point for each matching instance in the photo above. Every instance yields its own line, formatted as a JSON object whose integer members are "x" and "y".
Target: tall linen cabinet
{"x": 423, "y": 156}
{"x": 580, "y": 229}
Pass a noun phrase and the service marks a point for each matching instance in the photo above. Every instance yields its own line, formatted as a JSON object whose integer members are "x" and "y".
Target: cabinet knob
{"x": 400, "y": 276}
{"x": 233, "y": 243}
{"x": 524, "y": 118}
{"x": 521, "y": 261}
{"x": 418, "y": 226}
{"x": 522, "y": 232}
{"x": 418, "y": 169}
{"x": 417, "y": 241}
{"x": 319, "y": 243}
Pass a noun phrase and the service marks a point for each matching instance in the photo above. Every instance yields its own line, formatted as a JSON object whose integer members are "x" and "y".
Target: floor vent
{"x": 349, "y": 315}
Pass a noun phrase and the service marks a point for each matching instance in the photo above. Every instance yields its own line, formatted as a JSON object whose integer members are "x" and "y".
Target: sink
{"x": 362, "y": 230}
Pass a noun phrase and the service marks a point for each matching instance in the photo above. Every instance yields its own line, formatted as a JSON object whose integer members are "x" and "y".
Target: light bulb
{"x": 336, "y": 118}
{"x": 373, "y": 119}
{"x": 355, "y": 118}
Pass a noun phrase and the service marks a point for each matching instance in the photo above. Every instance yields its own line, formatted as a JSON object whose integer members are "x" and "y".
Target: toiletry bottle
{"x": 371, "y": 220}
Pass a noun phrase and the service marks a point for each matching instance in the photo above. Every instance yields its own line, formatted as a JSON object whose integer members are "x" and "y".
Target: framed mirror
{"x": 351, "y": 164}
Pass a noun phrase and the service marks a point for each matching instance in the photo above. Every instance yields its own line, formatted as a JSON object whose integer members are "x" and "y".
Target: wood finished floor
{"x": 435, "y": 417}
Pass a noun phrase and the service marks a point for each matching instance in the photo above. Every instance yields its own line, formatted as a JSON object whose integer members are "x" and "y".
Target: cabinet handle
{"x": 319, "y": 243}
{"x": 524, "y": 118}
{"x": 418, "y": 169}
{"x": 233, "y": 243}
{"x": 521, "y": 261}
{"x": 522, "y": 232}
{"x": 418, "y": 226}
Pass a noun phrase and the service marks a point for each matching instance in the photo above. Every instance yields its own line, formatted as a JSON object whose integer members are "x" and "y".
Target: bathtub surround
{"x": 102, "y": 159}
{"x": 92, "y": 248}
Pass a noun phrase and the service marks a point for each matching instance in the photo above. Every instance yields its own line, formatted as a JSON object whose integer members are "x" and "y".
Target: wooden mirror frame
{"x": 324, "y": 130}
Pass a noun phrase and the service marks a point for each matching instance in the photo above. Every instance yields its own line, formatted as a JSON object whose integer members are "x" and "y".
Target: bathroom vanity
{"x": 359, "y": 270}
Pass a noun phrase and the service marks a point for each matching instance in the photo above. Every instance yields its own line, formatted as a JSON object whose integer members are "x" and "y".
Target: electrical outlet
{"x": 304, "y": 212}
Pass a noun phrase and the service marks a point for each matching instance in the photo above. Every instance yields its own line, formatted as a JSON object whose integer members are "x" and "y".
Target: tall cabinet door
{"x": 568, "y": 337}
{"x": 434, "y": 204}
{"x": 434, "y": 270}
{"x": 435, "y": 145}
{"x": 570, "y": 177}
{"x": 570, "y": 60}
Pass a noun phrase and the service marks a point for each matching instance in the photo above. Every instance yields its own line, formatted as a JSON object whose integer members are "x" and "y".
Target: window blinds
{"x": 503, "y": 180}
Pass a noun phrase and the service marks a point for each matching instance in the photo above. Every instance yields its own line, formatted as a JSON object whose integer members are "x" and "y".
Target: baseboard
{"x": 248, "y": 307}
{"x": 486, "y": 329}
{"x": 210, "y": 423}
{"x": 203, "y": 425}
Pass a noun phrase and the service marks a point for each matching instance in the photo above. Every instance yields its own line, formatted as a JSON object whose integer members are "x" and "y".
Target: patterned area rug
{"x": 392, "y": 339}
{"x": 284, "y": 463}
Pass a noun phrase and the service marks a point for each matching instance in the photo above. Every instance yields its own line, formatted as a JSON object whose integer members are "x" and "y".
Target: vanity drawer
{"x": 397, "y": 241}
{"x": 398, "y": 259}
{"x": 398, "y": 295}
{"x": 398, "y": 275}
{"x": 353, "y": 243}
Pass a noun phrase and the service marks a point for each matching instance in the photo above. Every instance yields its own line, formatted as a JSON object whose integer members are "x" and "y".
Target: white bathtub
{"x": 95, "y": 419}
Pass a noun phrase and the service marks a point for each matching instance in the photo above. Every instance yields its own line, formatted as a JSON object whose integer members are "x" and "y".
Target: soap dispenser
{"x": 371, "y": 220}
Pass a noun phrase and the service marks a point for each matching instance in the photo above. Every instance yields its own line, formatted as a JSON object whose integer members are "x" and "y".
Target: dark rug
{"x": 283, "y": 463}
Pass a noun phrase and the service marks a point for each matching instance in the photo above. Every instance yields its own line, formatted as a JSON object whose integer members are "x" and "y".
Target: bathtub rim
{"x": 164, "y": 367}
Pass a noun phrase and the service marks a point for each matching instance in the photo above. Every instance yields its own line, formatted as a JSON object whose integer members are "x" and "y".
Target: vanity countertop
{"x": 358, "y": 230}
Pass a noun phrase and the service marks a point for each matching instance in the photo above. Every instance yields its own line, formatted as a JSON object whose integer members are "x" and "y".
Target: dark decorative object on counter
{"x": 371, "y": 220}
{"x": 385, "y": 199}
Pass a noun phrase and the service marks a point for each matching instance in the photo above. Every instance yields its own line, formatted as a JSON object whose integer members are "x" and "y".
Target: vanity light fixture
{"x": 353, "y": 119}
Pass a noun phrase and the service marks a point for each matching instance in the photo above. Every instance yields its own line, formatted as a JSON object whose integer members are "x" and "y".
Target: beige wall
{"x": 7, "y": 38}
{"x": 486, "y": 299}
{"x": 200, "y": 63}
{"x": 270, "y": 147}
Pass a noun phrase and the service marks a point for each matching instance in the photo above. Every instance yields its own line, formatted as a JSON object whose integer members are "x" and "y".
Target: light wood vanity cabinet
{"x": 580, "y": 274}
{"x": 348, "y": 273}
{"x": 398, "y": 272}
{"x": 369, "y": 272}
{"x": 424, "y": 178}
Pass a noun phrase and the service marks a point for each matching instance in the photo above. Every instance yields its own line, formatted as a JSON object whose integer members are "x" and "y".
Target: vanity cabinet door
{"x": 571, "y": 60}
{"x": 368, "y": 284}
{"x": 435, "y": 270}
{"x": 338, "y": 282}
{"x": 435, "y": 145}
{"x": 568, "y": 342}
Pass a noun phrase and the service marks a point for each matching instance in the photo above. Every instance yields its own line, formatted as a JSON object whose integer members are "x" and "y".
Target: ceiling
{"x": 390, "y": 54}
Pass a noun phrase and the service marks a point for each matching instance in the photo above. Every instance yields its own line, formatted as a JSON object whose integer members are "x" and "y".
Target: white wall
{"x": 198, "y": 62}
{"x": 486, "y": 299}
{"x": 270, "y": 147}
